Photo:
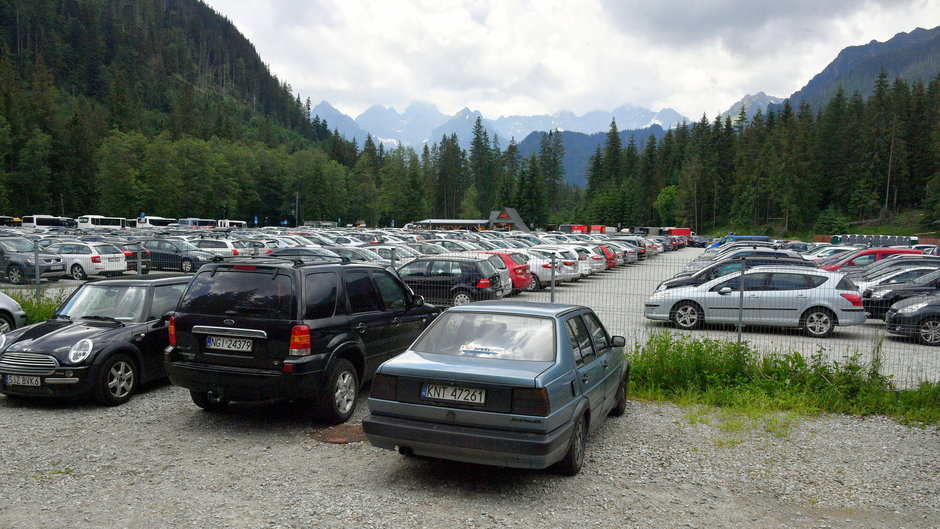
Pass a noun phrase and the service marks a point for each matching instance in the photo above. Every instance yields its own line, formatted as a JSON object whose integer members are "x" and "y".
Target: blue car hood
{"x": 465, "y": 368}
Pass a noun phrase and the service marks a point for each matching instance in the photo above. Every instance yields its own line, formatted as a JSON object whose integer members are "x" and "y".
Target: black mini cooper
{"x": 105, "y": 340}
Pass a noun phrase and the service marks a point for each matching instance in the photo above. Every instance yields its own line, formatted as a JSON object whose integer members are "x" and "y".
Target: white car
{"x": 779, "y": 296}
{"x": 83, "y": 259}
{"x": 894, "y": 275}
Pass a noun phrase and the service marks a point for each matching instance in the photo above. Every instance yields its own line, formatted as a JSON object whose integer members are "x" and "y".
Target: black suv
{"x": 266, "y": 328}
{"x": 453, "y": 279}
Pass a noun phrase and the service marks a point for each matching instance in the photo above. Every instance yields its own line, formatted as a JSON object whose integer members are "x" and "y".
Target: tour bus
{"x": 197, "y": 223}
{"x": 87, "y": 222}
{"x": 6, "y": 220}
{"x": 225, "y": 223}
{"x": 47, "y": 221}
{"x": 154, "y": 222}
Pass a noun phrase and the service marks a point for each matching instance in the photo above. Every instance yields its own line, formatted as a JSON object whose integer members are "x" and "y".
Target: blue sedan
{"x": 512, "y": 384}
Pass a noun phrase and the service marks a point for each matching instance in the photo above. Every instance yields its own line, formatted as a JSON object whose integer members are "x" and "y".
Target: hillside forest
{"x": 121, "y": 107}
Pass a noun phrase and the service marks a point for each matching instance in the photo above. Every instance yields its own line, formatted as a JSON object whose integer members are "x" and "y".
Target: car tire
{"x": 208, "y": 402}
{"x": 145, "y": 271}
{"x": 186, "y": 266}
{"x": 117, "y": 380}
{"x": 16, "y": 275}
{"x": 621, "y": 405}
{"x": 338, "y": 400}
{"x": 536, "y": 283}
{"x": 77, "y": 272}
{"x": 687, "y": 316}
{"x": 461, "y": 298}
{"x": 6, "y": 323}
{"x": 928, "y": 332}
{"x": 574, "y": 457}
{"x": 818, "y": 322}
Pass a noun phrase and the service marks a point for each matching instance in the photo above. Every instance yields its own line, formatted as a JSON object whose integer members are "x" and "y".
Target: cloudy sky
{"x": 527, "y": 57}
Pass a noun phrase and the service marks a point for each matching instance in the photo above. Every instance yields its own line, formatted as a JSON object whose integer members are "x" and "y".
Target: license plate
{"x": 228, "y": 344}
{"x": 17, "y": 380}
{"x": 113, "y": 259}
{"x": 57, "y": 267}
{"x": 453, "y": 394}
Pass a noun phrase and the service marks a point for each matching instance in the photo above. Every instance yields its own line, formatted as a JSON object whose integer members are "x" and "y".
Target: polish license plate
{"x": 453, "y": 394}
{"x": 57, "y": 267}
{"x": 18, "y": 380}
{"x": 113, "y": 259}
{"x": 228, "y": 344}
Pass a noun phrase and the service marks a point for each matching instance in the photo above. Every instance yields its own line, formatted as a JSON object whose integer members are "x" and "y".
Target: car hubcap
{"x": 187, "y": 266}
{"x": 345, "y": 392}
{"x": 579, "y": 442}
{"x": 76, "y": 272}
{"x": 818, "y": 323}
{"x": 120, "y": 380}
{"x": 930, "y": 332}
{"x": 15, "y": 275}
{"x": 461, "y": 299}
{"x": 686, "y": 316}
{"x": 4, "y": 327}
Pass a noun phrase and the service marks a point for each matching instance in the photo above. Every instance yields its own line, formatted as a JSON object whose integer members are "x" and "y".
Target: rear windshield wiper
{"x": 102, "y": 318}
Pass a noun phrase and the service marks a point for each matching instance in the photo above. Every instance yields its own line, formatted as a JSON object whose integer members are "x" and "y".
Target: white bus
{"x": 225, "y": 223}
{"x": 196, "y": 223}
{"x": 87, "y": 222}
{"x": 154, "y": 222}
{"x": 47, "y": 221}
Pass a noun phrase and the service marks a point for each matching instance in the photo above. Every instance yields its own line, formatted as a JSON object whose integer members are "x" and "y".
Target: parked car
{"x": 263, "y": 329}
{"x": 862, "y": 257}
{"x": 878, "y": 299}
{"x": 453, "y": 279}
{"x": 361, "y": 254}
{"x": 509, "y": 384}
{"x": 731, "y": 266}
{"x": 104, "y": 341}
{"x": 83, "y": 259}
{"x": 17, "y": 261}
{"x": 176, "y": 255}
{"x": 518, "y": 269}
{"x": 816, "y": 300}
{"x": 892, "y": 261}
{"x": 892, "y": 276}
{"x": 135, "y": 252}
{"x": 12, "y": 315}
{"x": 918, "y": 317}
{"x": 225, "y": 248}
{"x": 698, "y": 264}
{"x": 303, "y": 251}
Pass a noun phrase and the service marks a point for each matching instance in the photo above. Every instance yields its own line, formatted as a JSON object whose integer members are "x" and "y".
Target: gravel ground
{"x": 159, "y": 461}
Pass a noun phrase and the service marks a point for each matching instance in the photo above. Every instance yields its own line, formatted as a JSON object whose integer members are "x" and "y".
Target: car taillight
{"x": 581, "y": 258}
{"x": 596, "y": 257}
{"x": 172, "y": 330}
{"x": 244, "y": 267}
{"x": 530, "y": 401}
{"x": 384, "y": 387}
{"x": 234, "y": 251}
{"x": 546, "y": 266}
{"x": 96, "y": 258}
{"x": 483, "y": 283}
{"x": 128, "y": 253}
{"x": 568, "y": 263}
{"x": 855, "y": 299}
{"x": 299, "y": 341}
{"x": 269, "y": 251}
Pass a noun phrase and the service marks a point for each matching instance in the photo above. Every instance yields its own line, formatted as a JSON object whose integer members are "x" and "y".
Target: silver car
{"x": 779, "y": 296}
{"x": 12, "y": 315}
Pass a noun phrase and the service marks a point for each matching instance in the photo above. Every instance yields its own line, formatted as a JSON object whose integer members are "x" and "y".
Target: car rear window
{"x": 497, "y": 262}
{"x": 496, "y": 336}
{"x": 106, "y": 249}
{"x": 249, "y": 294}
{"x": 844, "y": 284}
{"x": 518, "y": 258}
{"x": 487, "y": 269}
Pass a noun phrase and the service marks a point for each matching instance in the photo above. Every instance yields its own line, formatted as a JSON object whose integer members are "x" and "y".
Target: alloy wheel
{"x": 120, "y": 379}
{"x": 345, "y": 395}
{"x": 818, "y": 323}
{"x": 686, "y": 316}
{"x": 930, "y": 332}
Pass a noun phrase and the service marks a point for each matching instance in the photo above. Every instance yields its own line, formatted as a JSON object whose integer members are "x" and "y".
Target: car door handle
{"x": 585, "y": 379}
{"x": 396, "y": 322}
{"x": 606, "y": 364}
{"x": 361, "y": 328}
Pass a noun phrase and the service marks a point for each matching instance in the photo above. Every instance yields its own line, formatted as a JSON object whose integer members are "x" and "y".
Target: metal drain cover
{"x": 341, "y": 434}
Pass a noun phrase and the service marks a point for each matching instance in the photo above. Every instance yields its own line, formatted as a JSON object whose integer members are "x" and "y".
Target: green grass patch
{"x": 41, "y": 308}
{"x": 734, "y": 377}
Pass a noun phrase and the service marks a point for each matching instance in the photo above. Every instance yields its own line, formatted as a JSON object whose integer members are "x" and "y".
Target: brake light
{"x": 172, "y": 330}
{"x": 299, "y": 341}
{"x": 234, "y": 251}
{"x": 530, "y": 401}
{"x": 568, "y": 263}
{"x": 268, "y": 251}
{"x": 384, "y": 387}
{"x": 483, "y": 283}
{"x": 596, "y": 257}
{"x": 546, "y": 266}
{"x": 244, "y": 267}
{"x": 855, "y": 299}
{"x": 96, "y": 258}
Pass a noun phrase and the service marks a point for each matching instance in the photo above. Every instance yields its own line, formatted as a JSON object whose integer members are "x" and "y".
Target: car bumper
{"x": 467, "y": 443}
{"x": 876, "y": 308}
{"x": 63, "y": 382}
{"x": 903, "y": 324}
{"x": 244, "y": 384}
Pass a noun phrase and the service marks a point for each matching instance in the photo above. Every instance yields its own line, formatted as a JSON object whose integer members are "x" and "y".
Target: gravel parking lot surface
{"x": 159, "y": 461}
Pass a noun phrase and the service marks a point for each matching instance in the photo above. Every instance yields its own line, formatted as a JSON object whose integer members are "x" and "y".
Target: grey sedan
{"x": 12, "y": 315}
{"x": 778, "y": 296}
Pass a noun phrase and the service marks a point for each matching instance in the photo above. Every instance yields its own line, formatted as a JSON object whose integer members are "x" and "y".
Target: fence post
{"x": 139, "y": 269}
{"x": 393, "y": 259}
{"x": 741, "y": 302}
{"x": 36, "y": 265}
{"x": 553, "y": 279}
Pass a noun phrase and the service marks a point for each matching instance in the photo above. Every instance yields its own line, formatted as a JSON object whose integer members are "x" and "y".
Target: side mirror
{"x": 725, "y": 290}
{"x": 618, "y": 341}
{"x": 418, "y": 301}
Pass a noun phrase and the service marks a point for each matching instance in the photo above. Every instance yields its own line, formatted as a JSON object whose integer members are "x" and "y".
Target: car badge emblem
{"x": 229, "y": 322}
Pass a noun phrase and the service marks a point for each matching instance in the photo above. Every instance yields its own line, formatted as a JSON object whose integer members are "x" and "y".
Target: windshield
{"x": 17, "y": 245}
{"x": 123, "y": 303}
{"x": 496, "y": 336}
{"x": 927, "y": 278}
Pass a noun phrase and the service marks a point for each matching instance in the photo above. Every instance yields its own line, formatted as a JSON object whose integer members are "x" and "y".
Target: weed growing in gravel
{"x": 733, "y": 376}
{"x": 40, "y": 309}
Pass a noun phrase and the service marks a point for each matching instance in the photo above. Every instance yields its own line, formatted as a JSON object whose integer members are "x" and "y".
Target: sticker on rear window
{"x": 481, "y": 349}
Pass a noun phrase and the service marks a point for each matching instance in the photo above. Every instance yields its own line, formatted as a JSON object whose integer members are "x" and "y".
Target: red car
{"x": 863, "y": 257}
{"x": 609, "y": 256}
{"x": 518, "y": 269}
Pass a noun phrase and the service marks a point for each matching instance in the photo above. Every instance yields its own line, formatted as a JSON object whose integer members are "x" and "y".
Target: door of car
{"x": 367, "y": 318}
{"x": 610, "y": 360}
{"x": 787, "y": 296}
{"x": 404, "y": 322}
{"x": 443, "y": 275}
{"x": 152, "y": 337}
{"x": 591, "y": 375}
{"x": 726, "y": 307}
{"x": 415, "y": 275}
